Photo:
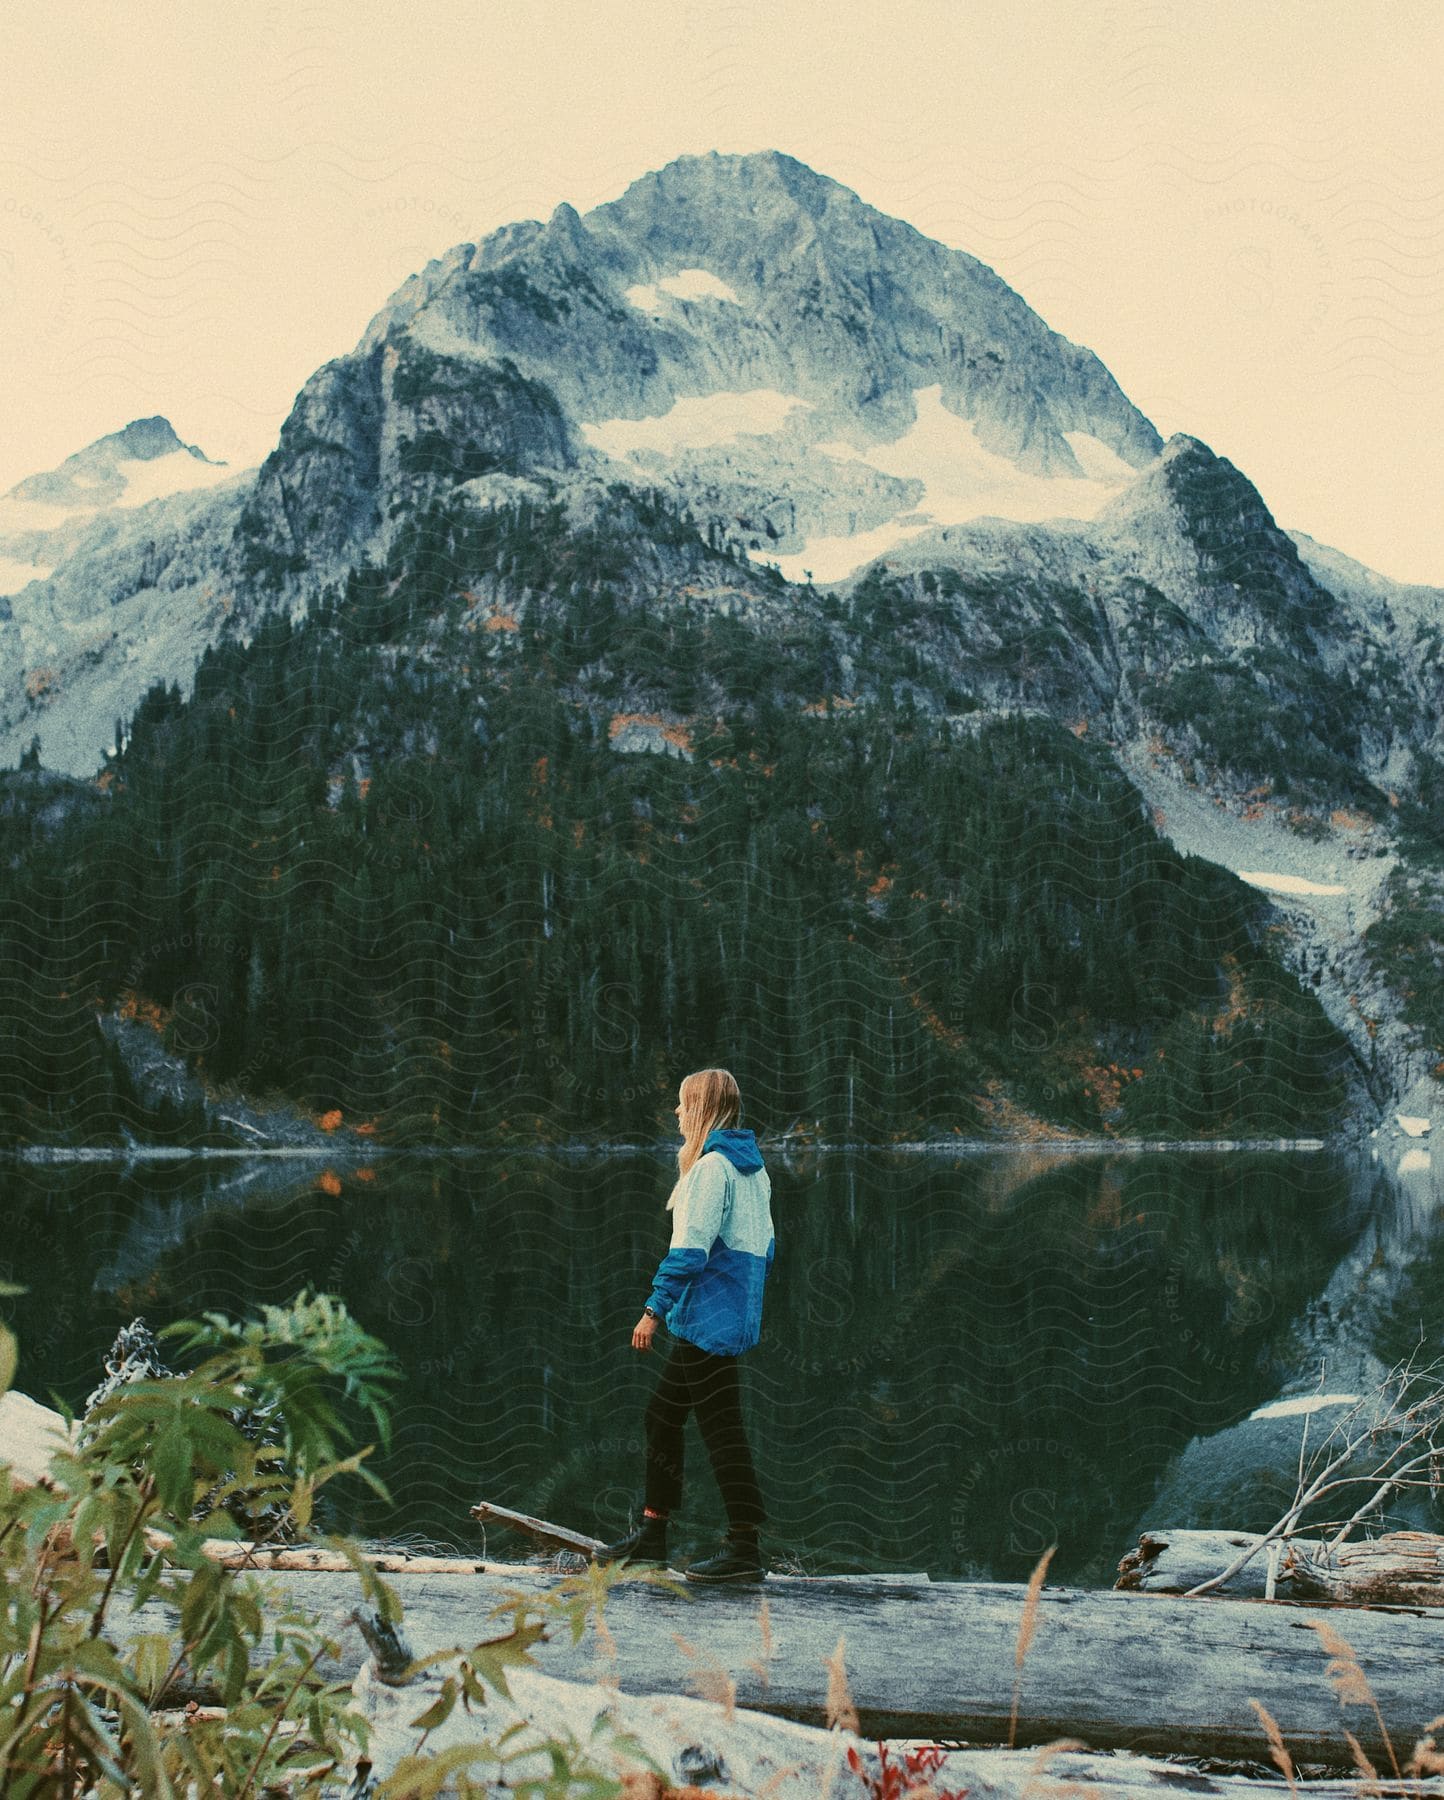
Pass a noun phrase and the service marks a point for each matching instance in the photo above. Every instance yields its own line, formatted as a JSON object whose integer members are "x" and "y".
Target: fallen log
{"x": 1402, "y": 1568}
{"x": 237, "y": 1553}
{"x": 937, "y": 1660}
{"x": 705, "y": 1747}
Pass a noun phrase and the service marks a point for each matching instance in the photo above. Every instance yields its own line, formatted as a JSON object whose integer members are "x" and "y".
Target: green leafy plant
{"x": 572, "y": 1773}
{"x": 123, "y": 1524}
{"x": 119, "y": 1524}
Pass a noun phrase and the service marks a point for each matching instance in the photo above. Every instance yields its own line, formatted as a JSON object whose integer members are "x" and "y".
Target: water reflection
{"x": 964, "y": 1360}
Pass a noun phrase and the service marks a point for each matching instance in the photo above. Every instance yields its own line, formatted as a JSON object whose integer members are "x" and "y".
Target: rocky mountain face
{"x": 105, "y": 472}
{"x": 739, "y": 330}
{"x": 816, "y": 383}
{"x": 45, "y": 519}
{"x": 819, "y": 388}
{"x": 1182, "y": 607}
{"x": 107, "y": 566}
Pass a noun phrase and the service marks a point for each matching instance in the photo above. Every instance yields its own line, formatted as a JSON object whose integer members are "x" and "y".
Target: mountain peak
{"x": 145, "y": 439}
{"x": 1182, "y": 444}
{"x": 1194, "y": 505}
{"x": 1180, "y": 465}
{"x": 142, "y": 440}
{"x": 798, "y": 177}
{"x": 734, "y": 325}
{"x": 96, "y": 476}
{"x": 754, "y": 182}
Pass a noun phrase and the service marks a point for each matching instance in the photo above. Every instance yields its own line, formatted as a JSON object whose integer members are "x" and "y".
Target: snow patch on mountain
{"x": 22, "y": 518}
{"x": 1276, "y": 881}
{"x": 136, "y": 595}
{"x": 1298, "y": 1404}
{"x": 961, "y": 480}
{"x": 1097, "y": 460}
{"x": 144, "y": 461}
{"x": 686, "y": 284}
{"x": 832, "y": 558}
{"x": 177, "y": 473}
{"x": 939, "y": 473}
{"x": 696, "y": 423}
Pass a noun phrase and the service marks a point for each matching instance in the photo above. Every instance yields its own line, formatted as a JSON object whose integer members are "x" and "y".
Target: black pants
{"x": 694, "y": 1378}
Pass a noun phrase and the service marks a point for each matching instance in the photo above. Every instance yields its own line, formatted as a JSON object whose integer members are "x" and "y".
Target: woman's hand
{"x": 643, "y": 1332}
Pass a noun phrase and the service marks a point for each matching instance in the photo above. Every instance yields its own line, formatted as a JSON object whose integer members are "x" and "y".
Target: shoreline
{"x": 346, "y": 1151}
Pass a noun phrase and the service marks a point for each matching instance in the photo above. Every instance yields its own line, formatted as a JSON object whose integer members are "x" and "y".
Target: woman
{"x": 708, "y": 1288}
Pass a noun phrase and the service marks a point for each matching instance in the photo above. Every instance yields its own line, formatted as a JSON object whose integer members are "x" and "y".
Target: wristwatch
{"x": 652, "y": 1313}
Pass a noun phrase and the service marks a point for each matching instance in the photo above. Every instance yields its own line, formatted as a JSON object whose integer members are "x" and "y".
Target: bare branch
{"x": 1407, "y": 1407}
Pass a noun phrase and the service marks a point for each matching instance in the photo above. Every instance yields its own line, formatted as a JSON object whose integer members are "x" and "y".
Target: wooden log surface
{"x": 236, "y": 1553}
{"x": 704, "y": 1747}
{"x": 240, "y": 1555}
{"x": 1400, "y": 1568}
{"x": 937, "y": 1659}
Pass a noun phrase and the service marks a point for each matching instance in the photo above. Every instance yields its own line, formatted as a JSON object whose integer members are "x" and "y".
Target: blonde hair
{"x": 710, "y": 1098}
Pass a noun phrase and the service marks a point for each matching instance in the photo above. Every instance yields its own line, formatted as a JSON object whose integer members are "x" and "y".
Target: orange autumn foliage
{"x": 680, "y": 735}
{"x": 144, "y": 1012}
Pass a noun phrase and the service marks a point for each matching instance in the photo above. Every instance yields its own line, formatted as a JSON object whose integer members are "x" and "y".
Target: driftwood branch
{"x": 555, "y": 1537}
{"x": 1406, "y": 1411}
{"x": 561, "y": 1537}
{"x": 1403, "y": 1568}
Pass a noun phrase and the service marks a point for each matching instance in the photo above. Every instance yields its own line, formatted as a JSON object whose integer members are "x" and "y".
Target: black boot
{"x": 647, "y": 1544}
{"x": 739, "y": 1559}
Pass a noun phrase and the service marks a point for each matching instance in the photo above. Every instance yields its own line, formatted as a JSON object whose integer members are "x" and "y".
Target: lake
{"x": 966, "y": 1357}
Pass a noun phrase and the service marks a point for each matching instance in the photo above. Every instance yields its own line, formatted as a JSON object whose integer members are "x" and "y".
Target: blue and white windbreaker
{"x": 709, "y": 1285}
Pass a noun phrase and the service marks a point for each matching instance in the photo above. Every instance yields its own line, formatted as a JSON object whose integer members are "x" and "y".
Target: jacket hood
{"x": 738, "y": 1145}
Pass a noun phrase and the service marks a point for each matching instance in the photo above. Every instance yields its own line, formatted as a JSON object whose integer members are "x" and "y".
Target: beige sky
{"x": 1238, "y": 204}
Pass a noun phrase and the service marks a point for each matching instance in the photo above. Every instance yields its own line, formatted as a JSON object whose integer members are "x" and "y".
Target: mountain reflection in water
{"x": 964, "y": 1359}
